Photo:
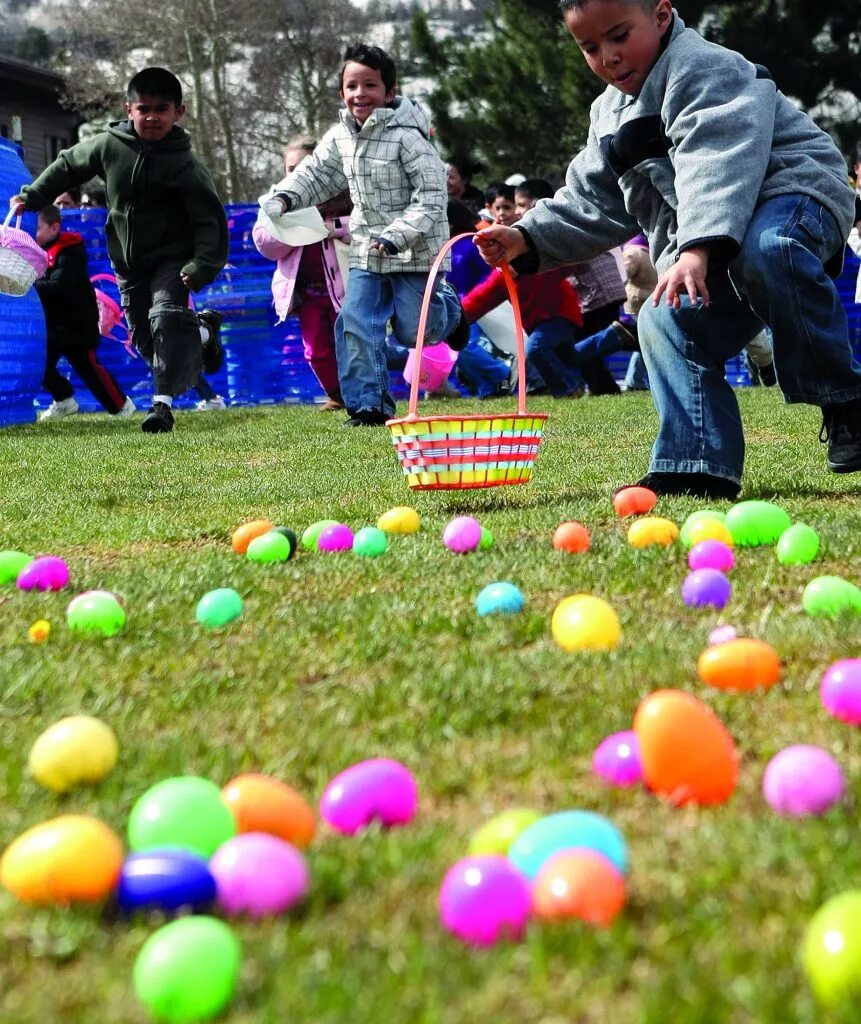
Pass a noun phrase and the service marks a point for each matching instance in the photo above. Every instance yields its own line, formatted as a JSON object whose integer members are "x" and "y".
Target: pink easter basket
{"x": 111, "y": 317}
{"x": 22, "y": 260}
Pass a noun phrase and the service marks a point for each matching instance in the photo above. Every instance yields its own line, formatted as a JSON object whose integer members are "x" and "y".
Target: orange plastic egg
{"x": 741, "y": 664}
{"x": 260, "y": 803}
{"x": 64, "y": 860}
{"x": 571, "y": 537}
{"x": 634, "y": 501}
{"x": 245, "y": 534}
{"x": 687, "y": 754}
{"x": 651, "y": 530}
{"x": 580, "y": 884}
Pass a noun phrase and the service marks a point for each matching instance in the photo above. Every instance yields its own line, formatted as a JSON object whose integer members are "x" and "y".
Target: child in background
{"x": 72, "y": 322}
{"x": 499, "y": 203}
{"x": 459, "y": 173}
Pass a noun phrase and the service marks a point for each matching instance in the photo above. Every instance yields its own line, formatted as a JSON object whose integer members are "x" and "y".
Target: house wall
{"x": 46, "y": 126}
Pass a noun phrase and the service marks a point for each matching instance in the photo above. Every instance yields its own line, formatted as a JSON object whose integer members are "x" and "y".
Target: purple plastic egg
{"x": 462, "y": 534}
{"x": 840, "y": 690}
{"x": 335, "y": 538}
{"x": 485, "y": 899}
{"x": 802, "y": 780}
{"x": 46, "y": 573}
{"x": 722, "y": 635}
{"x": 706, "y": 588}
{"x": 258, "y": 874}
{"x": 711, "y": 554}
{"x": 376, "y": 790}
{"x": 617, "y": 759}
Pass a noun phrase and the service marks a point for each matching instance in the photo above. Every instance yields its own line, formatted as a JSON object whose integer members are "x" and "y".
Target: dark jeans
{"x": 595, "y": 372}
{"x": 85, "y": 362}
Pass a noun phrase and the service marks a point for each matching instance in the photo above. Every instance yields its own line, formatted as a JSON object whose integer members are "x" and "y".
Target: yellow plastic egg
{"x": 709, "y": 529}
{"x": 585, "y": 623}
{"x": 652, "y": 530}
{"x": 402, "y": 519}
{"x": 39, "y": 631}
{"x": 73, "y": 750}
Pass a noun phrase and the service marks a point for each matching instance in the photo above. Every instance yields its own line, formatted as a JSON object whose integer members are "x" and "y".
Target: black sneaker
{"x": 628, "y": 335}
{"x": 367, "y": 418}
{"x": 841, "y": 429}
{"x": 213, "y": 353}
{"x": 699, "y": 485}
{"x": 767, "y": 376}
{"x": 459, "y": 337}
{"x": 159, "y": 420}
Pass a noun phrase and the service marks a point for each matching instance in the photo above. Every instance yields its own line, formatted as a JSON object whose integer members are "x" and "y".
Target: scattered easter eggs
{"x": 722, "y": 634}
{"x": 840, "y": 690}
{"x": 292, "y": 539}
{"x": 462, "y": 534}
{"x": 376, "y": 790}
{"x": 258, "y": 874}
{"x": 830, "y": 596}
{"x": 832, "y": 950}
{"x": 400, "y": 520}
{"x": 337, "y": 537}
{"x": 499, "y": 599}
{"x": 581, "y": 885}
{"x": 95, "y": 613}
{"x": 752, "y": 523}
{"x": 711, "y": 554}
{"x": 634, "y": 501}
{"x": 186, "y": 812}
{"x": 652, "y": 531}
{"x": 39, "y": 631}
{"x": 708, "y": 529}
{"x": 706, "y": 588}
{"x": 563, "y": 831}
{"x": 585, "y": 623}
{"x": 218, "y": 608}
{"x": 486, "y": 542}
{"x": 166, "y": 880}
{"x": 245, "y": 534}
{"x": 799, "y": 545}
{"x": 311, "y": 535}
{"x": 12, "y": 564}
{"x": 617, "y": 759}
{"x": 46, "y": 573}
{"x": 802, "y": 780}
{"x": 497, "y": 835}
{"x": 484, "y": 900}
{"x": 688, "y": 756}
{"x": 260, "y": 803}
{"x": 73, "y": 858}
{"x": 571, "y": 537}
{"x": 269, "y": 548}
{"x": 740, "y": 664}
{"x": 73, "y": 751}
{"x": 700, "y": 516}
{"x": 187, "y": 970}
{"x": 370, "y": 542}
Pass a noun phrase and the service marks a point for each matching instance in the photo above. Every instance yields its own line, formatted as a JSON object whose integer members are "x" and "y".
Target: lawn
{"x": 337, "y": 659}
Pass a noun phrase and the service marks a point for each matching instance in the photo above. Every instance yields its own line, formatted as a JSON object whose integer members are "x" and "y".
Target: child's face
{"x": 620, "y": 39}
{"x": 153, "y": 117}
{"x": 46, "y": 234}
{"x": 363, "y": 91}
{"x": 522, "y": 203}
{"x": 503, "y": 211}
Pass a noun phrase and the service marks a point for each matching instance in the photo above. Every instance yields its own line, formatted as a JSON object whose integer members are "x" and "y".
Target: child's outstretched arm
{"x": 209, "y": 229}
{"x": 315, "y": 180}
{"x": 73, "y": 166}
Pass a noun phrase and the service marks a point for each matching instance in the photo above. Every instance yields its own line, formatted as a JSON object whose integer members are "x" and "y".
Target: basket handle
{"x": 423, "y": 318}
{"x": 9, "y": 217}
{"x": 103, "y": 277}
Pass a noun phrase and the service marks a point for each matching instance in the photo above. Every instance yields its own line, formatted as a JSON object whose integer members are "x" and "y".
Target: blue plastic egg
{"x": 165, "y": 880}
{"x": 564, "y": 831}
{"x": 499, "y": 599}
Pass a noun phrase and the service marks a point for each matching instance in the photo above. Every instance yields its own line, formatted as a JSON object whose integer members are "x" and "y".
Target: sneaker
{"x": 213, "y": 353}
{"x": 57, "y": 410}
{"x": 841, "y": 429}
{"x": 129, "y": 409}
{"x": 214, "y": 404}
{"x": 459, "y": 337}
{"x": 448, "y": 390}
{"x": 331, "y": 405}
{"x": 367, "y": 418}
{"x": 628, "y": 335}
{"x": 767, "y": 376}
{"x": 159, "y": 420}
{"x": 699, "y": 485}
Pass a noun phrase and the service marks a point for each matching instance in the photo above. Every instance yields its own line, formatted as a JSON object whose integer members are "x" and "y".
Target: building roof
{"x": 22, "y": 73}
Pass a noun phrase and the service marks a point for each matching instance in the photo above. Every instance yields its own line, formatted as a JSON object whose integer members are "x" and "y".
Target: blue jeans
{"x": 480, "y": 371}
{"x": 372, "y": 300}
{"x": 777, "y": 279}
{"x": 542, "y": 349}
{"x": 636, "y": 378}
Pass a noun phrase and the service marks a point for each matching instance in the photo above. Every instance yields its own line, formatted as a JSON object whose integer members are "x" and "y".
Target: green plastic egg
{"x": 269, "y": 548}
{"x": 11, "y": 564}
{"x": 185, "y": 811}
{"x": 752, "y": 523}
{"x": 312, "y": 533}
{"x": 798, "y": 545}
{"x": 96, "y": 613}
{"x": 218, "y": 607}
{"x": 285, "y": 531}
{"x": 369, "y": 542}
{"x": 695, "y": 517}
{"x": 497, "y": 835}
{"x": 829, "y": 596}
{"x": 486, "y": 542}
{"x": 832, "y": 950}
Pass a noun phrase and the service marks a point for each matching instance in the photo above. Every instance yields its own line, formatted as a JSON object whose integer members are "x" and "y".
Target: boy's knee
{"x": 166, "y": 316}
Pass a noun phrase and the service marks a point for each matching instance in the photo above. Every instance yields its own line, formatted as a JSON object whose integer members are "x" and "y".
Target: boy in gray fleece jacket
{"x": 746, "y": 207}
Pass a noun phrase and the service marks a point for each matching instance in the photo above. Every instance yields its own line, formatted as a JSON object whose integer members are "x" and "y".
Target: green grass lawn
{"x": 337, "y": 659}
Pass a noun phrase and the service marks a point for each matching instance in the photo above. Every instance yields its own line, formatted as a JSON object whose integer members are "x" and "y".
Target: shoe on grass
{"x": 448, "y": 390}
{"x": 699, "y": 485}
{"x": 367, "y": 418}
{"x": 331, "y": 405}
{"x": 129, "y": 409}
{"x": 159, "y": 420}
{"x": 841, "y": 430}
{"x": 213, "y": 354}
{"x": 214, "y": 404}
{"x": 627, "y": 333}
{"x": 58, "y": 410}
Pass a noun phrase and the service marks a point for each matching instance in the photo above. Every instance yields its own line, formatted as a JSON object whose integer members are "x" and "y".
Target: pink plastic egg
{"x": 722, "y": 635}
{"x": 376, "y": 790}
{"x": 485, "y": 899}
{"x": 46, "y": 573}
{"x": 711, "y": 554}
{"x": 258, "y": 874}
{"x": 802, "y": 780}
{"x": 335, "y": 538}
{"x": 617, "y": 759}
{"x": 462, "y": 534}
{"x": 840, "y": 690}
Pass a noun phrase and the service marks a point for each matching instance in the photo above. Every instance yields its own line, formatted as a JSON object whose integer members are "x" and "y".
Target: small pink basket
{"x": 436, "y": 364}
{"x": 22, "y": 260}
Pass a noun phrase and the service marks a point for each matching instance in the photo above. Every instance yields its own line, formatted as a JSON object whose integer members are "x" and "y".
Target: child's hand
{"x": 498, "y": 244}
{"x": 274, "y": 207}
{"x": 688, "y": 275}
{"x": 186, "y": 280}
{"x": 378, "y": 247}
{"x": 16, "y": 205}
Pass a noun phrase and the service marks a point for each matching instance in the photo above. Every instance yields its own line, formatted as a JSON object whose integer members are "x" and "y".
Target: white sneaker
{"x": 57, "y": 410}
{"x": 129, "y": 409}
{"x": 216, "y": 404}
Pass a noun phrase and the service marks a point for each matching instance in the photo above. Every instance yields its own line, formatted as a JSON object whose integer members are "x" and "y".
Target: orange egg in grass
{"x": 634, "y": 501}
{"x": 581, "y": 884}
{"x": 571, "y": 537}
{"x": 740, "y": 664}
{"x": 245, "y": 534}
{"x": 261, "y": 803}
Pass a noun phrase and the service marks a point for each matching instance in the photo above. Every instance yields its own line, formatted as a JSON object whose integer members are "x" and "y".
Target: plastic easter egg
{"x": 39, "y": 632}
{"x": 799, "y": 545}
{"x": 585, "y": 623}
{"x": 617, "y": 759}
{"x": 840, "y": 690}
{"x": 243, "y": 535}
{"x": 376, "y": 790}
{"x": 830, "y": 596}
{"x": 688, "y": 756}
{"x": 269, "y": 548}
{"x": 497, "y": 835}
{"x": 571, "y": 537}
{"x": 462, "y": 534}
{"x": 499, "y": 599}
{"x": 706, "y": 588}
{"x": 484, "y": 900}
{"x": 567, "y": 830}
{"x": 802, "y": 780}
{"x": 708, "y": 529}
{"x": 218, "y": 608}
{"x": 12, "y": 564}
{"x": 73, "y": 858}
{"x": 400, "y": 520}
{"x": 634, "y": 501}
{"x": 95, "y": 613}
{"x": 832, "y": 950}
{"x": 740, "y": 664}
{"x": 293, "y": 540}
{"x": 311, "y": 535}
{"x": 187, "y": 812}
{"x": 166, "y": 880}
{"x": 700, "y": 516}
{"x": 370, "y": 542}
{"x": 260, "y": 803}
{"x": 753, "y": 523}
{"x": 711, "y": 554}
{"x": 187, "y": 970}
{"x": 652, "y": 531}
{"x": 486, "y": 542}
{"x": 337, "y": 537}
{"x": 258, "y": 874}
{"x": 46, "y": 573}
{"x": 722, "y": 634}
{"x": 73, "y": 751}
{"x": 581, "y": 885}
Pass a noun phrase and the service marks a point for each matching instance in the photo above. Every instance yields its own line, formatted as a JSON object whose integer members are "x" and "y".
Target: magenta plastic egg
{"x": 47, "y": 573}
{"x": 711, "y": 554}
{"x": 484, "y": 900}
{"x": 337, "y": 537}
{"x": 617, "y": 759}
{"x": 706, "y": 588}
{"x": 377, "y": 790}
{"x": 840, "y": 690}
{"x": 802, "y": 780}
{"x": 462, "y": 534}
{"x": 258, "y": 874}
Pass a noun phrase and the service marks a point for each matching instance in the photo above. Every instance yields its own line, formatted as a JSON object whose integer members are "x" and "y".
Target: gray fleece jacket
{"x": 687, "y": 161}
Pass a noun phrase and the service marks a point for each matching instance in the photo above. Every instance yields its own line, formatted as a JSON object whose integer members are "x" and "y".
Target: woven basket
{"x": 453, "y": 453}
{"x": 22, "y": 260}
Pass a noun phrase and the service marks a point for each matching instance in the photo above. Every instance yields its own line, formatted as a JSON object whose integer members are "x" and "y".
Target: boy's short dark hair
{"x": 51, "y": 215}
{"x": 535, "y": 188}
{"x": 498, "y": 190}
{"x": 372, "y": 57}
{"x": 159, "y": 83}
{"x": 578, "y": 5}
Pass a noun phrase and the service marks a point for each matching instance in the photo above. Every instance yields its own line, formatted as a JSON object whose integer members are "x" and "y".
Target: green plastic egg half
{"x": 830, "y": 596}
{"x": 96, "y": 613}
{"x": 752, "y": 523}
{"x": 370, "y": 542}
{"x": 269, "y": 548}
{"x": 798, "y": 545}
{"x": 832, "y": 949}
